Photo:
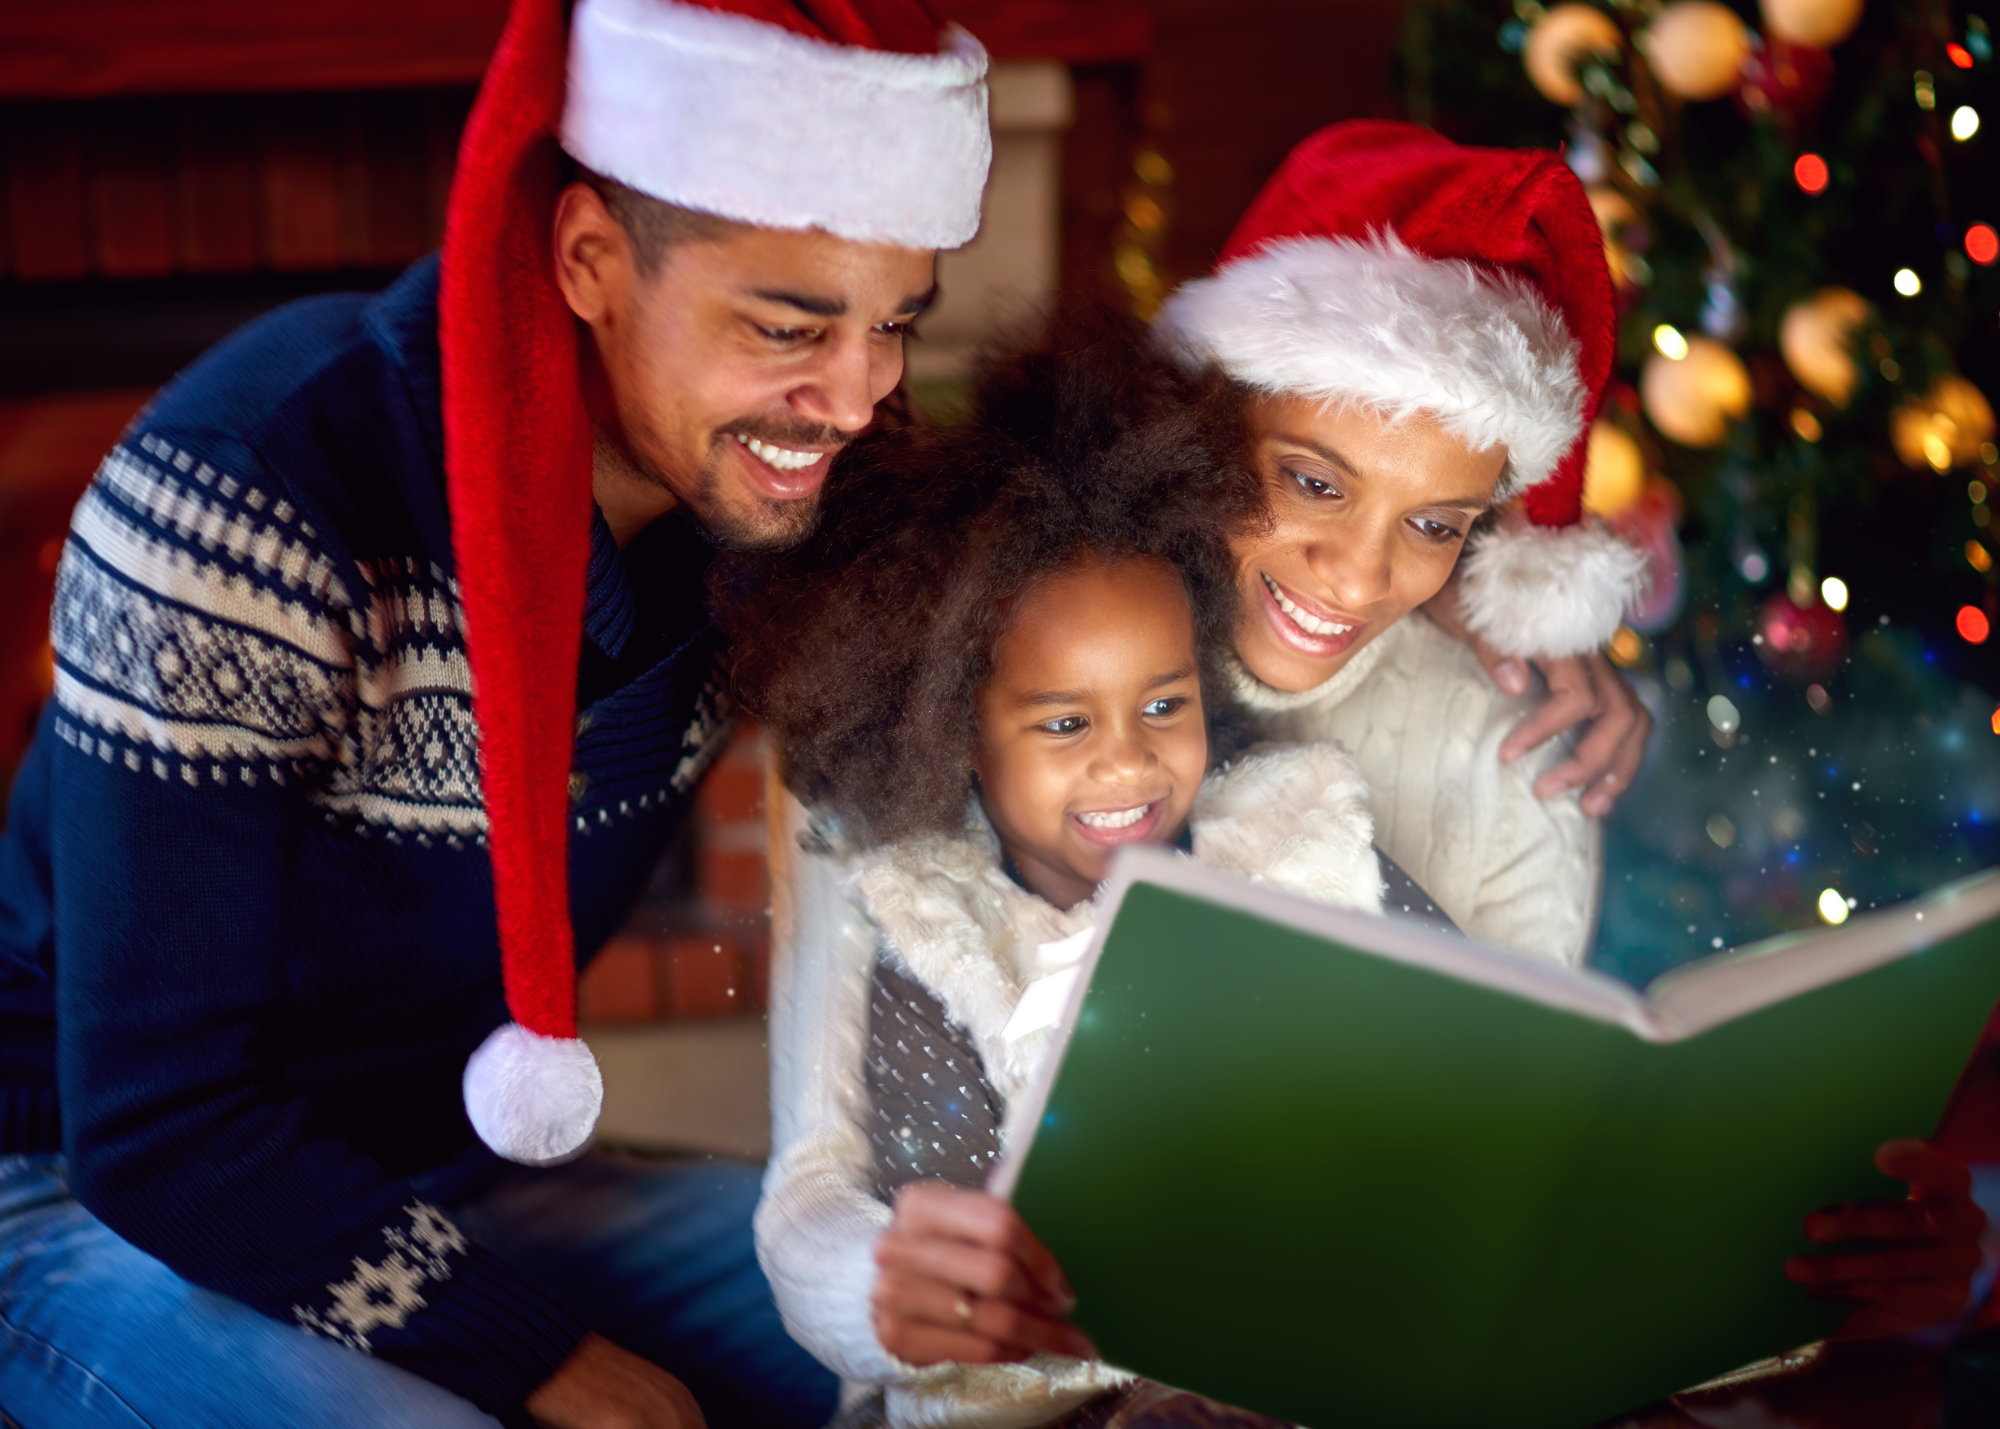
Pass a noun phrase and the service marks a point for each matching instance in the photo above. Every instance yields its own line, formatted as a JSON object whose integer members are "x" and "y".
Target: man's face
{"x": 741, "y": 364}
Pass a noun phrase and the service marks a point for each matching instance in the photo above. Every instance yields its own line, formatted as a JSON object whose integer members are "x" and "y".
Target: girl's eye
{"x": 1068, "y": 724}
{"x": 1161, "y": 708}
{"x": 1439, "y": 531}
{"x": 1312, "y": 485}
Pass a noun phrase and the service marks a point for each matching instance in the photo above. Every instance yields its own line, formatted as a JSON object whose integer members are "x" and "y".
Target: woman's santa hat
{"x": 865, "y": 118}
{"x": 1390, "y": 268}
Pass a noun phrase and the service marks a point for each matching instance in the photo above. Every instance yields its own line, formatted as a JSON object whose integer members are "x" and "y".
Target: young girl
{"x": 1000, "y": 661}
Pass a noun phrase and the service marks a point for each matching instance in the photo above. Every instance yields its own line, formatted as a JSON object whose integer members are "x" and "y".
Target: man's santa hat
{"x": 1390, "y": 268}
{"x": 865, "y": 118}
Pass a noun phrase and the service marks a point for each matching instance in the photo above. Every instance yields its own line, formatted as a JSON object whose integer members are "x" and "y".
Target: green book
{"x": 1343, "y": 1170}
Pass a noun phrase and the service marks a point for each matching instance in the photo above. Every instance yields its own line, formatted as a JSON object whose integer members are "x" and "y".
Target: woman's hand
{"x": 1583, "y": 690}
{"x": 1919, "y": 1271}
{"x": 960, "y": 1278}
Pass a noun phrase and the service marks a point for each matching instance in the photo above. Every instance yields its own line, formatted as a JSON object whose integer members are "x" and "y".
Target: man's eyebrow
{"x": 1334, "y": 458}
{"x": 804, "y": 302}
{"x": 837, "y": 307}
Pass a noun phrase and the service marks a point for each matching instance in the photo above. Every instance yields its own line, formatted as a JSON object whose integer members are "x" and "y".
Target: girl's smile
{"x": 1115, "y": 827}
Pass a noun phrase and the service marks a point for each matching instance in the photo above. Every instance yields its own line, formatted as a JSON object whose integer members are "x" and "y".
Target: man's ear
{"x": 593, "y": 255}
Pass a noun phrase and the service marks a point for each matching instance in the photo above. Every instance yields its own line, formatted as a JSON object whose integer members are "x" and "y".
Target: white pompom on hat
{"x": 1387, "y": 267}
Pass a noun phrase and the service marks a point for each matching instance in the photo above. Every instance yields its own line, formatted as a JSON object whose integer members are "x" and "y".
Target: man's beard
{"x": 753, "y": 521}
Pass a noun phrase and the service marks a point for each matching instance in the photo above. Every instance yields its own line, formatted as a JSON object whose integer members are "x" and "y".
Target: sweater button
{"x": 579, "y": 785}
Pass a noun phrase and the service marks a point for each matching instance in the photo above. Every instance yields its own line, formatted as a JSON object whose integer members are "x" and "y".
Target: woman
{"x": 1406, "y": 384}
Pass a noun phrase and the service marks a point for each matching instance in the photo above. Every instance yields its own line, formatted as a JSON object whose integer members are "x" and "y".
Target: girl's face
{"x": 1368, "y": 517}
{"x": 1091, "y": 733}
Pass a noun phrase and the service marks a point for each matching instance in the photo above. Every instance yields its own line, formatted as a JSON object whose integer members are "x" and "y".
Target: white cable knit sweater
{"x": 1424, "y": 723}
{"x": 1294, "y": 818}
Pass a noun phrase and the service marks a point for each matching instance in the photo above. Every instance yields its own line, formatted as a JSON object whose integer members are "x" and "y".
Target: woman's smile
{"x": 1306, "y": 625}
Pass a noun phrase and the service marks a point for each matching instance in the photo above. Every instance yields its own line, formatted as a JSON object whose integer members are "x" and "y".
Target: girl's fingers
{"x": 1924, "y": 1166}
{"x": 928, "y": 1210}
{"x": 1954, "y": 1262}
{"x": 914, "y": 1314}
{"x": 966, "y": 1269}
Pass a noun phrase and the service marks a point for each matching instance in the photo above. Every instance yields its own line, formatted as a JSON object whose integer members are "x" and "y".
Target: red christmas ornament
{"x": 1791, "y": 79}
{"x": 1800, "y": 643}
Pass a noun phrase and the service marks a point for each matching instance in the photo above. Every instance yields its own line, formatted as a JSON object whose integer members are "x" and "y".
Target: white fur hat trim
{"x": 533, "y": 1099}
{"x": 1375, "y": 323}
{"x": 735, "y": 117}
{"x": 1549, "y": 590}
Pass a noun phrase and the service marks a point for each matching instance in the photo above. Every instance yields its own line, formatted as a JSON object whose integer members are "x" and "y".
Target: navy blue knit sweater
{"x": 246, "y": 913}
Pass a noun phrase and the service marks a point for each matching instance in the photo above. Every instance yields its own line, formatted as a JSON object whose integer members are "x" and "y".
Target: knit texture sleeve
{"x": 207, "y": 698}
{"x": 1425, "y": 728}
{"x": 818, "y": 1221}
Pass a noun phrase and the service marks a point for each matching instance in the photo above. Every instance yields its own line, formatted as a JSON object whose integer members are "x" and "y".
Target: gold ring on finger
{"x": 963, "y": 1309}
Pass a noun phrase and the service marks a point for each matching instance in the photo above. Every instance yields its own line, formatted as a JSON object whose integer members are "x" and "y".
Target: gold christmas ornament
{"x": 1562, "y": 40}
{"x": 1943, "y": 428}
{"x": 1817, "y": 339}
{"x": 1821, "y": 24}
{"x": 1696, "y": 48}
{"x": 1693, "y": 399}
{"x": 1614, "y": 473}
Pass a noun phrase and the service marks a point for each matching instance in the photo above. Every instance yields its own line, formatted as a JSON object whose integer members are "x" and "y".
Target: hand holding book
{"x": 1917, "y": 1267}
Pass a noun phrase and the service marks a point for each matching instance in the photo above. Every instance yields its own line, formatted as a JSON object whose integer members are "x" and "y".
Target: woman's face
{"x": 1091, "y": 732}
{"x": 1368, "y": 517}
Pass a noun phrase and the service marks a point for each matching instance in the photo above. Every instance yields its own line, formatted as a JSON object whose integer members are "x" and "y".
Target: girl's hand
{"x": 1585, "y": 693}
{"x": 960, "y": 1278}
{"x": 1927, "y": 1246}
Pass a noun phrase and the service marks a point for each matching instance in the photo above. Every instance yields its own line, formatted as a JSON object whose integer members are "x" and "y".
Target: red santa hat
{"x": 1388, "y": 267}
{"x": 866, "y": 118}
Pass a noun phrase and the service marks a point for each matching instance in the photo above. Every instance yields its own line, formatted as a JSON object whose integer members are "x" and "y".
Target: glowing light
{"x": 1964, "y": 122}
{"x": 1725, "y": 716}
{"x": 1667, "y": 338}
{"x": 1975, "y": 492}
{"x": 1833, "y": 590}
{"x": 1982, "y": 244}
{"x": 1908, "y": 283}
{"x": 1937, "y": 451}
{"x": 1832, "y": 907}
{"x": 1996, "y": 720}
{"x": 1721, "y": 831}
{"x": 1811, "y": 173}
{"x": 1926, "y": 89}
{"x": 1978, "y": 557}
{"x": 1806, "y": 425}
{"x": 1960, "y": 55}
{"x": 1973, "y": 624}
{"x": 1626, "y": 647}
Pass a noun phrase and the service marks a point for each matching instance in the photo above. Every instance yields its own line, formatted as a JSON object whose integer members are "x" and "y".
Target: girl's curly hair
{"x": 864, "y": 648}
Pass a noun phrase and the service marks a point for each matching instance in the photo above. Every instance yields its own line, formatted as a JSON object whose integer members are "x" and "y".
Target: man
{"x": 270, "y": 876}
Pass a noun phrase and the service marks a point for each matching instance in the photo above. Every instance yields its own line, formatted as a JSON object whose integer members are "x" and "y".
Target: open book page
{"x": 1711, "y": 991}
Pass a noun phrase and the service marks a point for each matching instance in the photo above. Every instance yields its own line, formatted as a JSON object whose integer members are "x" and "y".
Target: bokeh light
{"x": 1908, "y": 283}
{"x": 1833, "y": 590}
{"x": 1964, "y": 122}
{"x": 1832, "y": 907}
{"x": 1982, "y": 244}
{"x": 1959, "y": 55}
{"x": 1667, "y": 338}
{"x": 1973, "y": 624}
{"x": 1811, "y": 172}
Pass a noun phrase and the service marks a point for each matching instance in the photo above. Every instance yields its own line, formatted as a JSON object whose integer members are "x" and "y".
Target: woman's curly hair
{"x": 864, "y": 648}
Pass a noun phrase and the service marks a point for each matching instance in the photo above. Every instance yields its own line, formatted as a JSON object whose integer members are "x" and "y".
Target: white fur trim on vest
{"x": 1549, "y": 590}
{"x": 1378, "y": 325}
{"x": 533, "y": 1099}
{"x": 1291, "y": 817}
{"x": 740, "y": 118}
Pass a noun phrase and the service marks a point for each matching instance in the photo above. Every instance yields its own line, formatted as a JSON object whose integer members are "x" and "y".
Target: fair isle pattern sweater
{"x": 246, "y": 917}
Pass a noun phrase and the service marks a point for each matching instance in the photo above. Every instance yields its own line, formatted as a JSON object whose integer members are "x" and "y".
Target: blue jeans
{"x": 654, "y": 1255}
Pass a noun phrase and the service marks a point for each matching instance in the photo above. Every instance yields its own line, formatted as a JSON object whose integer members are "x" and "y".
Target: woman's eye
{"x": 1068, "y": 724}
{"x": 1440, "y": 531}
{"x": 1161, "y": 708}
{"x": 1311, "y": 485}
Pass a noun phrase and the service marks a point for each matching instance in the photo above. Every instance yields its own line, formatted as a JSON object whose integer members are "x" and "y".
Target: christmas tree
{"x": 1800, "y": 206}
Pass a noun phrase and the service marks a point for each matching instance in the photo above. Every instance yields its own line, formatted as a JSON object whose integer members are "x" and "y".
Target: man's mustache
{"x": 789, "y": 434}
